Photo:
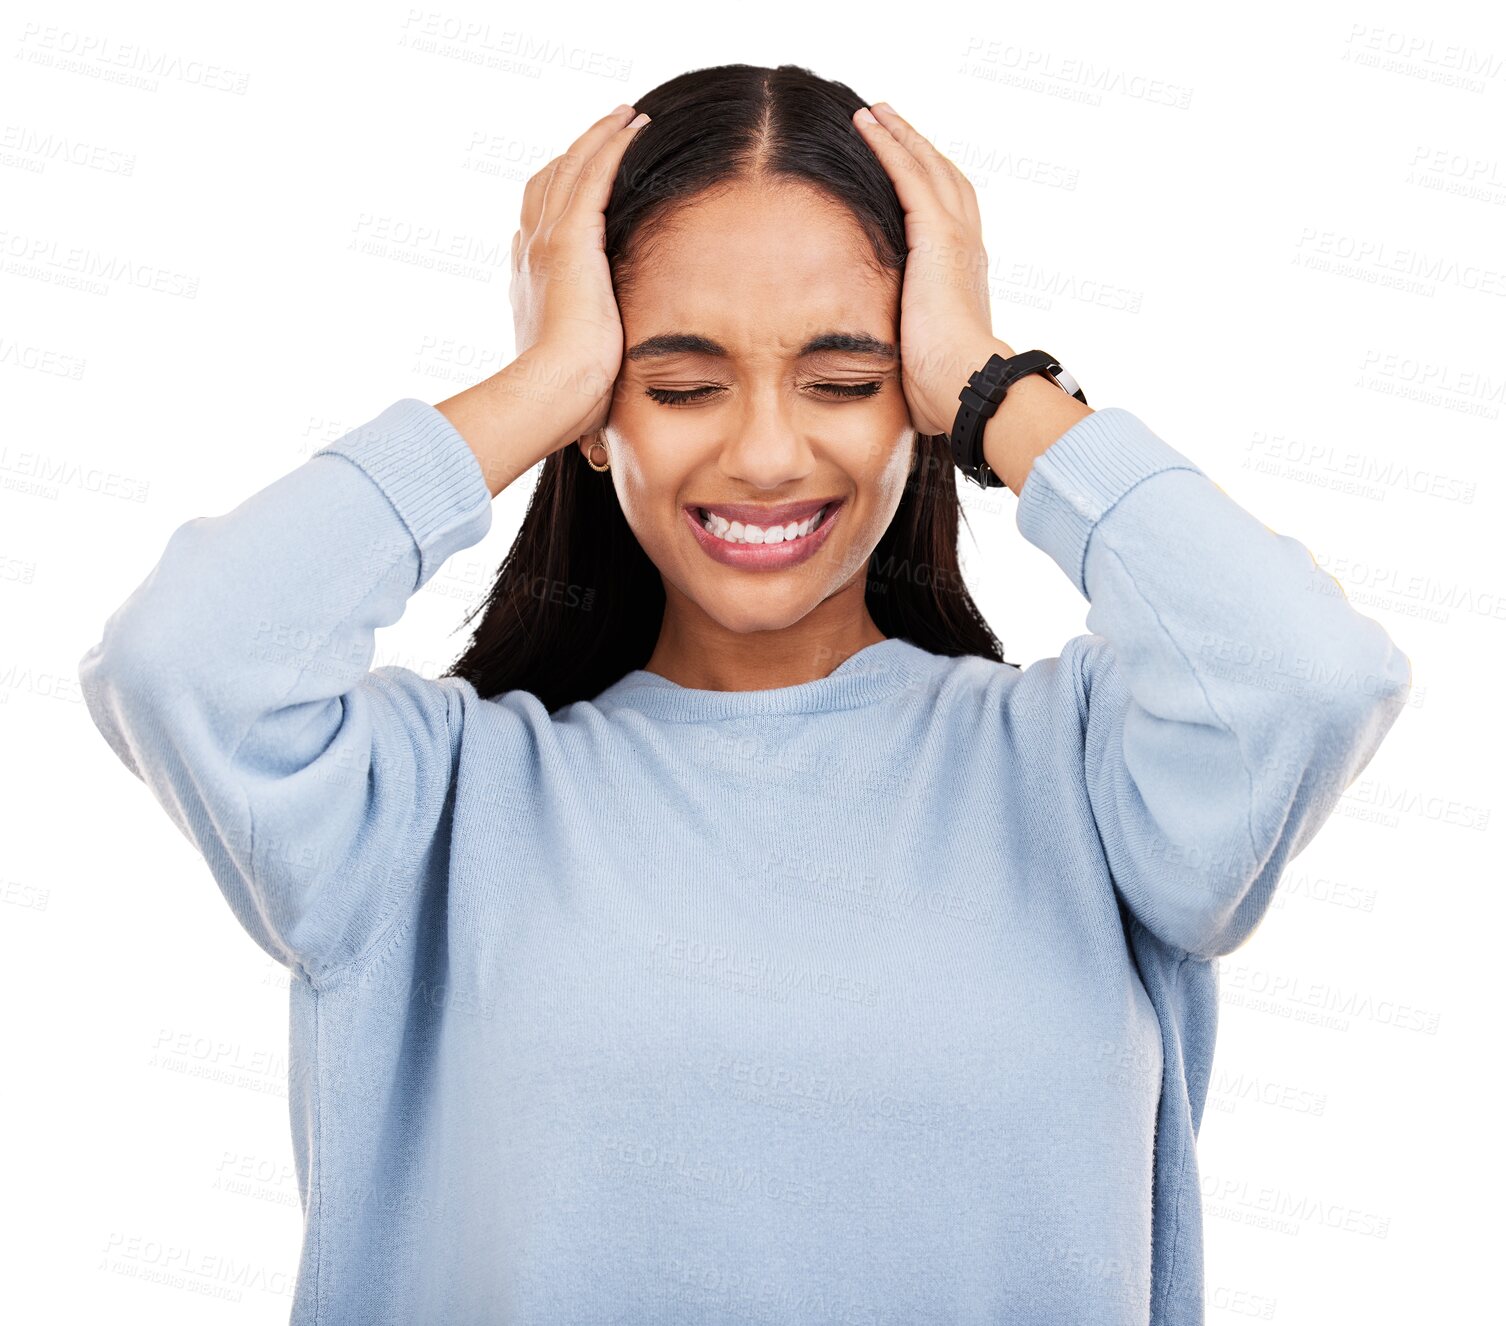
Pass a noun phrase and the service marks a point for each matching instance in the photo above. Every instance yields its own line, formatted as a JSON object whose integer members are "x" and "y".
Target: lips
{"x": 765, "y": 556}
{"x": 765, "y": 517}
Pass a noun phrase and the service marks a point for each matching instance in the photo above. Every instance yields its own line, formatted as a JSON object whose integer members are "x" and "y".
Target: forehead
{"x": 760, "y": 269}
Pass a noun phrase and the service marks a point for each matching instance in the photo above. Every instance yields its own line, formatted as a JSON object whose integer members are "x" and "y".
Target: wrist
{"x": 1034, "y": 413}
{"x": 513, "y": 419}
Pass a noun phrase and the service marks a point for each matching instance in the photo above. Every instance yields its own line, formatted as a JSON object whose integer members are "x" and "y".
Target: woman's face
{"x": 758, "y": 274}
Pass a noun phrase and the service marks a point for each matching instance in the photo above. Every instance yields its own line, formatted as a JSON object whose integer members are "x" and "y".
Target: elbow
{"x": 114, "y": 666}
{"x": 172, "y": 605}
{"x": 1383, "y": 673}
{"x": 149, "y": 640}
{"x": 1394, "y": 679}
{"x": 1376, "y": 686}
{"x": 134, "y": 679}
{"x": 1339, "y": 682}
{"x": 1296, "y": 791}
{"x": 1368, "y": 671}
{"x": 124, "y": 663}
{"x": 110, "y": 680}
{"x": 1207, "y": 897}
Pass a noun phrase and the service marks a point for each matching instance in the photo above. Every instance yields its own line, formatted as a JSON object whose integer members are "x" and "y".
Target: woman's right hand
{"x": 568, "y": 328}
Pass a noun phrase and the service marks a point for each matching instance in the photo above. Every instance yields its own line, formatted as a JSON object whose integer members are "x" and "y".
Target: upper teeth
{"x": 734, "y": 531}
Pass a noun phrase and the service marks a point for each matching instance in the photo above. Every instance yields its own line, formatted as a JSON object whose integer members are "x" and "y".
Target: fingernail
{"x": 639, "y": 118}
{"x": 866, "y": 116}
{"x": 883, "y": 105}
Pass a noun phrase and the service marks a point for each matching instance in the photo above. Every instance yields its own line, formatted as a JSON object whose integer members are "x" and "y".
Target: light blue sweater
{"x": 887, "y": 997}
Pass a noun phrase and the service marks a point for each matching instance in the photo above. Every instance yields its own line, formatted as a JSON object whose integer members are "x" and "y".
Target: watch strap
{"x": 982, "y": 396}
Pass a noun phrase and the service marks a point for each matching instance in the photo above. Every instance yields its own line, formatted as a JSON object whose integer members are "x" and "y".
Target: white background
{"x": 1275, "y": 234}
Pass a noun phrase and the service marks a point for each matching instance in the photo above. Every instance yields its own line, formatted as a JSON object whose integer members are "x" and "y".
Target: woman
{"x": 732, "y": 933}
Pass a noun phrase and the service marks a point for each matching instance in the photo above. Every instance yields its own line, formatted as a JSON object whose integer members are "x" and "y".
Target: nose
{"x": 764, "y": 448}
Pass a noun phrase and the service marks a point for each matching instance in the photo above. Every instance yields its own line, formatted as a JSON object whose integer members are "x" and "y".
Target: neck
{"x": 697, "y": 651}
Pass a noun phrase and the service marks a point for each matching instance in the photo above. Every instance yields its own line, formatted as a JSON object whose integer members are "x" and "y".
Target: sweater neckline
{"x": 871, "y": 674}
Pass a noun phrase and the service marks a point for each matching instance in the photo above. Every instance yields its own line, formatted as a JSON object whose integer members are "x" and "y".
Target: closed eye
{"x": 835, "y": 390}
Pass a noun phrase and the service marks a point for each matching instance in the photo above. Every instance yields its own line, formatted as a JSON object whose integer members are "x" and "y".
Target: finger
{"x": 593, "y": 182}
{"x": 575, "y": 159}
{"x": 950, "y": 182}
{"x": 967, "y": 193}
{"x": 533, "y": 197}
{"x": 538, "y": 182}
{"x": 915, "y": 185}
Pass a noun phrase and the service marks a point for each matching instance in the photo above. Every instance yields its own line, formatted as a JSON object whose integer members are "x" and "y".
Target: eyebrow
{"x": 691, "y": 343}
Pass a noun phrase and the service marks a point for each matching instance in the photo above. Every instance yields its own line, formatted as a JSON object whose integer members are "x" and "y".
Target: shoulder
{"x": 990, "y": 678}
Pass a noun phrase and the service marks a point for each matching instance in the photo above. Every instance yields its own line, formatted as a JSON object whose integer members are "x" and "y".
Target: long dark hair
{"x": 577, "y": 603}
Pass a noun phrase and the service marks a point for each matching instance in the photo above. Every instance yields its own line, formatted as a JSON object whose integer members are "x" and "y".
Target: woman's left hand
{"x": 946, "y": 329}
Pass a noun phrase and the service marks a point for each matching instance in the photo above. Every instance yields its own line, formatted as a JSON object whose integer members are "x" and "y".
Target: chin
{"x": 754, "y": 610}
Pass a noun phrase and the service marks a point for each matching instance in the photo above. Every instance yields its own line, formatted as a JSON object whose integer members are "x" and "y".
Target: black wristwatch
{"x": 981, "y": 397}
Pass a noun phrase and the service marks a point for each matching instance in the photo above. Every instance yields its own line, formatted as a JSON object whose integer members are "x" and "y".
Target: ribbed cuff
{"x": 429, "y": 474}
{"x": 1074, "y": 482}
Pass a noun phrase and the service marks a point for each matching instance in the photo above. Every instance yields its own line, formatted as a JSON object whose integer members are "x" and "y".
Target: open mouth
{"x": 736, "y": 532}
{"x": 752, "y": 547}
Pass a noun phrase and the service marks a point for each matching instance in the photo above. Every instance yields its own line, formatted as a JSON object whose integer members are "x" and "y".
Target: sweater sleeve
{"x": 236, "y": 683}
{"x": 1228, "y": 691}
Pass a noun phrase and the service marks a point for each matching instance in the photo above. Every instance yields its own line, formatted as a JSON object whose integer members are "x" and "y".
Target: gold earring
{"x": 600, "y": 469}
